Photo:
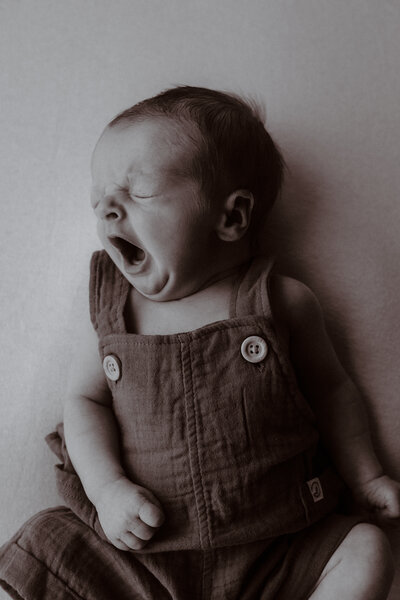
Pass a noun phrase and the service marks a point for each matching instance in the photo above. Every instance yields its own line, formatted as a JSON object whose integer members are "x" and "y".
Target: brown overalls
{"x": 213, "y": 423}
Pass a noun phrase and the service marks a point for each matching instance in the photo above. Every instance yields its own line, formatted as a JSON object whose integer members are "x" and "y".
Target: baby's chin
{"x": 149, "y": 283}
{"x": 159, "y": 284}
{"x": 152, "y": 287}
{"x": 163, "y": 289}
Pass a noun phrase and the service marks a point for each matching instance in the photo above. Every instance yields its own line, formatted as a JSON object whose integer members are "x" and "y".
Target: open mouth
{"x": 131, "y": 253}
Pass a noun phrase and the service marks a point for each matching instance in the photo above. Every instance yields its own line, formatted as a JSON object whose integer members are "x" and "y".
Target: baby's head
{"x": 181, "y": 182}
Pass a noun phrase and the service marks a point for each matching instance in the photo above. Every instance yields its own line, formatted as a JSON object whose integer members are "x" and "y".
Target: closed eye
{"x": 132, "y": 194}
{"x": 141, "y": 195}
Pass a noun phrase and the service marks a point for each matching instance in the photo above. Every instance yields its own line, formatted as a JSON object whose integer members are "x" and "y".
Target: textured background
{"x": 329, "y": 75}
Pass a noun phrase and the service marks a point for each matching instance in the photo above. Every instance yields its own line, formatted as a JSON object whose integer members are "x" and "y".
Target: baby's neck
{"x": 208, "y": 305}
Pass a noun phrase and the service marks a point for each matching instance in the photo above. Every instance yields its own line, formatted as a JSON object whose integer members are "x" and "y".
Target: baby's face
{"x": 151, "y": 217}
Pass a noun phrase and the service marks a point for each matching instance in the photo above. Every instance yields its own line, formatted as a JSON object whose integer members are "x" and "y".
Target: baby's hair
{"x": 233, "y": 151}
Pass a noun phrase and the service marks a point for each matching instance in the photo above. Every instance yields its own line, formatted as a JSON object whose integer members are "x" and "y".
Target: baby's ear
{"x": 235, "y": 216}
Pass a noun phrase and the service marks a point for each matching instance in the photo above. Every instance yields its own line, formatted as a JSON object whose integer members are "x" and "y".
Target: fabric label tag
{"x": 315, "y": 487}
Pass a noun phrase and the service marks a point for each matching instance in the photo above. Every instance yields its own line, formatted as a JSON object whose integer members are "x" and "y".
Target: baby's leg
{"x": 360, "y": 569}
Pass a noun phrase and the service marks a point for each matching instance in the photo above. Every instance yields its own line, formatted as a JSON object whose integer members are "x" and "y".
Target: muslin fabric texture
{"x": 227, "y": 445}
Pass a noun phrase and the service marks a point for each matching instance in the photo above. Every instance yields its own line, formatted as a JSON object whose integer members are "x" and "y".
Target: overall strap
{"x": 108, "y": 291}
{"x": 252, "y": 291}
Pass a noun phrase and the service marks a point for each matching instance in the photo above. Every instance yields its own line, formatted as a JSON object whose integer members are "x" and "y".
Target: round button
{"x": 111, "y": 366}
{"x": 254, "y": 349}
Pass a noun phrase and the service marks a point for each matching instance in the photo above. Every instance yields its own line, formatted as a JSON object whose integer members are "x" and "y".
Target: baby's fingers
{"x": 391, "y": 504}
{"x": 391, "y": 511}
{"x": 143, "y": 531}
{"x": 151, "y": 514}
{"x": 118, "y": 543}
{"x": 131, "y": 541}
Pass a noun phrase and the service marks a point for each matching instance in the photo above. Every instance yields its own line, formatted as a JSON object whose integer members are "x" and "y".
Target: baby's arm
{"x": 129, "y": 514}
{"x": 336, "y": 402}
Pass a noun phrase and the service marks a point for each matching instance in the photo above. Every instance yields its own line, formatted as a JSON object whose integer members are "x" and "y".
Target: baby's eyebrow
{"x": 135, "y": 174}
{"x": 99, "y": 190}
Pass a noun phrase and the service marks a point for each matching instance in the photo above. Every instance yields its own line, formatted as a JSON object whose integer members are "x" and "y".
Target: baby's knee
{"x": 369, "y": 557}
{"x": 371, "y": 544}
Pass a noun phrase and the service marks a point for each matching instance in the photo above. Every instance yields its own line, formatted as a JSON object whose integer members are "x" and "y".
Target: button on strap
{"x": 254, "y": 349}
{"x": 112, "y": 367}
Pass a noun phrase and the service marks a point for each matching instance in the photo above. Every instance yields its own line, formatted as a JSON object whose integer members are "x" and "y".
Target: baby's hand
{"x": 129, "y": 514}
{"x": 381, "y": 496}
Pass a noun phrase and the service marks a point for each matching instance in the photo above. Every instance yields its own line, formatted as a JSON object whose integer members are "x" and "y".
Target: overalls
{"x": 213, "y": 423}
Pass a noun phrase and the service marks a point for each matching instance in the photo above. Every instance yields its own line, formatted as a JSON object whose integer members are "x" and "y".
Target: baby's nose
{"x": 109, "y": 209}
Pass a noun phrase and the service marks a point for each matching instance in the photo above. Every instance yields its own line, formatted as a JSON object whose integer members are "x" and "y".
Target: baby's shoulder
{"x": 292, "y": 301}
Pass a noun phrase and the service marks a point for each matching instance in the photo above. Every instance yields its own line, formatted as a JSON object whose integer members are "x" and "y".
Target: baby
{"x": 199, "y": 435}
